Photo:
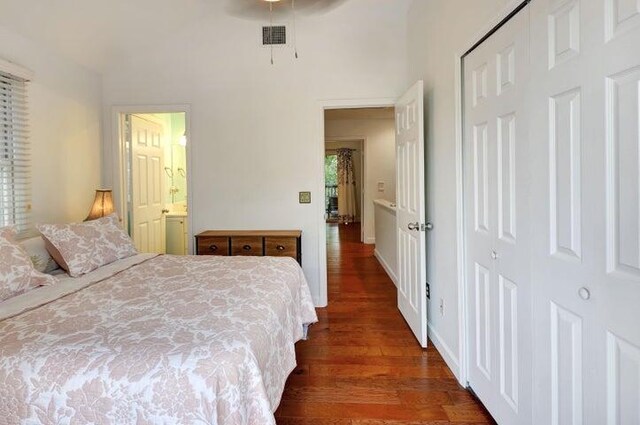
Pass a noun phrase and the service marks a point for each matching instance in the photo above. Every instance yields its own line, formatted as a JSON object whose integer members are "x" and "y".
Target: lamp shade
{"x": 102, "y": 204}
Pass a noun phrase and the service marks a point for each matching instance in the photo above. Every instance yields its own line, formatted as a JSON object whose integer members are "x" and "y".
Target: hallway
{"x": 361, "y": 364}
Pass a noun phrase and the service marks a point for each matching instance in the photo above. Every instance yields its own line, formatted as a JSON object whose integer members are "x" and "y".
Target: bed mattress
{"x": 155, "y": 339}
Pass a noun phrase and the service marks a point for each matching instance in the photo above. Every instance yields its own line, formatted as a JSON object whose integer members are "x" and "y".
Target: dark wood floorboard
{"x": 361, "y": 364}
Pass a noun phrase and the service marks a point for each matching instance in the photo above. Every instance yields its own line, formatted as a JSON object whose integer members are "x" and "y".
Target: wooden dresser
{"x": 273, "y": 243}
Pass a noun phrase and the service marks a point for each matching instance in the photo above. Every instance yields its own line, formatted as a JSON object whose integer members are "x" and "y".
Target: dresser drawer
{"x": 273, "y": 243}
{"x": 213, "y": 245}
{"x": 281, "y": 247}
{"x": 246, "y": 245}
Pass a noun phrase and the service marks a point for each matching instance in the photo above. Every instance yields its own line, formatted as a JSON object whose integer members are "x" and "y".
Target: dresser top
{"x": 265, "y": 233}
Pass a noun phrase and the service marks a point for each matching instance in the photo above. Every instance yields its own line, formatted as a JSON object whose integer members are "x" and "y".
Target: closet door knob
{"x": 584, "y": 293}
{"x": 494, "y": 255}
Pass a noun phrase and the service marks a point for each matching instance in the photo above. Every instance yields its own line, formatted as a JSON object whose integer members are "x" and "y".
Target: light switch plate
{"x": 304, "y": 197}
{"x": 380, "y": 186}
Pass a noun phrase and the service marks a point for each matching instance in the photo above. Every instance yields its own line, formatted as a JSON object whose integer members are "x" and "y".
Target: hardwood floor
{"x": 361, "y": 364}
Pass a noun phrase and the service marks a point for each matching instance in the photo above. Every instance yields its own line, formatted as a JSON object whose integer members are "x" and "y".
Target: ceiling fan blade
{"x": 317, "y": 6}
{"x": 259, "y": 9}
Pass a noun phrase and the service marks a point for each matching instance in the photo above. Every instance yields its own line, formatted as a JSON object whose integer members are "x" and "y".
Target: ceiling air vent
{"x": 274, "y": 35}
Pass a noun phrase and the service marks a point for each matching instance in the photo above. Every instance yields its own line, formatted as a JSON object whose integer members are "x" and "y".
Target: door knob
{"x": 494, "y": 255}
{"x": 413, "y": 226}
{"x": 584, "y": 293}
{"x": 429, "y": 226}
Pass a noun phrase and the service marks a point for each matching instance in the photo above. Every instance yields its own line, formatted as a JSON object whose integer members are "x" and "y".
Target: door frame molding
{"x": 118, "y": 160}
{"x": 461, "y": 240}
{"x": 321, "y": 106}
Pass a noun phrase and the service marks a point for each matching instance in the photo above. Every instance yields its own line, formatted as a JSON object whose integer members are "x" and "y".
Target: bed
{"x": 155, "y": 339}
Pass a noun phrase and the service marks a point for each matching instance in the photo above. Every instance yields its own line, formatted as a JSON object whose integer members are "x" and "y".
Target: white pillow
{"x": 17, "y": 274}
{"x": 40, "y": 257}
{"x": 83, "y": 247}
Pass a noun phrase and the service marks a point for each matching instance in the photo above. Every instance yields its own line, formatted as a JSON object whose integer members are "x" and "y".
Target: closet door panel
{"x": 585, "y": 200}
{"x": 496, "y": 216}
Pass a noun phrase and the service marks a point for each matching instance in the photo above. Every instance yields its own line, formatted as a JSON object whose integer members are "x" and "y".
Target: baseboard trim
{"x": 370, "y": 241}
{"x": 445, "y": 351}
{"x": 386, "y": 267}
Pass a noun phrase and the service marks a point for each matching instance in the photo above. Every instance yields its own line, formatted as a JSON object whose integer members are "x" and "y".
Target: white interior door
{"x": 586, "y": 205}
{"x": 410, "y": 211}
{"x": 147, "y": 171}
{"x": 496, "y": 187}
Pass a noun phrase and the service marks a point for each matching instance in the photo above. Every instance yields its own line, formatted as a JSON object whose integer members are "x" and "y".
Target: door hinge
{"x": 428, "y": 291}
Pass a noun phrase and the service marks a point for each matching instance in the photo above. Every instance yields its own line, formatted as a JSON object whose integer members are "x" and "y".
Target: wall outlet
{"x": 441, "y": 307}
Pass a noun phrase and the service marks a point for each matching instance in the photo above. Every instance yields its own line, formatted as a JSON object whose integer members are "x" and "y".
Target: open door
{"x": 410, "y": 211}
{"x": 147, "y": 173}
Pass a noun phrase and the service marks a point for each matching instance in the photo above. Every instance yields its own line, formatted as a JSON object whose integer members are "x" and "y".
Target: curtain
{"x": 346, "y": 187}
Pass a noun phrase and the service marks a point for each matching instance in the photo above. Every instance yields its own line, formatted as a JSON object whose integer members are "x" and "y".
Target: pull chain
{"x": 295, "y": 39}
{"x": 271, "y": 29}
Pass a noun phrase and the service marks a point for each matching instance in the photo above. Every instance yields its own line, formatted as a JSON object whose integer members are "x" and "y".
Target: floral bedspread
{"x": 173, "y": 340}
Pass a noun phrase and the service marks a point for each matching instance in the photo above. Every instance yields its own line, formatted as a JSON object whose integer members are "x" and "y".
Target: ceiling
{"x": 359, "y": 113}
{"x": 95, "y": 33}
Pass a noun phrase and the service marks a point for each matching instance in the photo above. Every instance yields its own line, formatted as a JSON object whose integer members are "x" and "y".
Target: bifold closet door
{"x": 585, "y": 84}
{"x": 496, "y": 186}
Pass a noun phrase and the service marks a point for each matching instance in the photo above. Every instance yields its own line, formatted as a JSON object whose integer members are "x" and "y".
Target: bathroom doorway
{"x": 156, "y": 190}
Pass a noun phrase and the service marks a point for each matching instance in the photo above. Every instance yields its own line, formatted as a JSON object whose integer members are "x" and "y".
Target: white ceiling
{"x": 95, "y": 33}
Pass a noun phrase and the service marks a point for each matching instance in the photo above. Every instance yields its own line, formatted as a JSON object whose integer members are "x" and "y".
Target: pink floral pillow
{"x": 17, "y": 274}
{"x": 82, "y": 247}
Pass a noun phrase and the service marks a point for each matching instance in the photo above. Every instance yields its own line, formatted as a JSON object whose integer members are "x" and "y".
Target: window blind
{"x": 15, "y": 191}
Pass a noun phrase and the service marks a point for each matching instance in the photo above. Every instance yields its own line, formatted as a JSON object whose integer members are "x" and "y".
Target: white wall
{"x": 380, "y": 154}
{"x": 174, "y": 157}
{"x": 256, "y": 129}
{"x": 64, "y": 117}
{"x": 437, "y": 31}
{"x": 387, "y": 238}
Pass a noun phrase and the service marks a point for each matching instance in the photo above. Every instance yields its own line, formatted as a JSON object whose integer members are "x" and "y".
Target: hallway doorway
{"x": 359, "y": 165}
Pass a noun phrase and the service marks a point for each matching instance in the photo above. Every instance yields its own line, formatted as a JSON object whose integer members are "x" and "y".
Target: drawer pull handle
{"x": 247, "y": 247}
{"x": 280, "y": 248}
{"x": 213, "y": 247}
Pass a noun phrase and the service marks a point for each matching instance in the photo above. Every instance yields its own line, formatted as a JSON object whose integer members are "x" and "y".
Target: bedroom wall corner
{"x": 65, "y": 129}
